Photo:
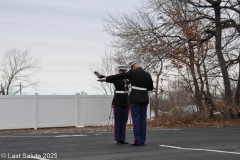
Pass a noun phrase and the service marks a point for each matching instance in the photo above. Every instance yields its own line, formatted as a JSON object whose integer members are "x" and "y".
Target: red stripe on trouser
{"x": 114, "y": 123}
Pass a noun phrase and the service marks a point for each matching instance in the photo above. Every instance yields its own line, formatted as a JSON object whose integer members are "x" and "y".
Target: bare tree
{"x": 106, "y": 67}
{"x": 198, "y": 39}
{"x": 220, "y": 22}
{"x": 163, "y": 28}
{"x": 83, "y": 93}
{"x": 17, "y": 70}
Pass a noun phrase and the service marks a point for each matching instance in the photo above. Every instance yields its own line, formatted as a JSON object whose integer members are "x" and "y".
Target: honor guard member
{"x": 141, "y": 82}
{"x": 120, "y": 104}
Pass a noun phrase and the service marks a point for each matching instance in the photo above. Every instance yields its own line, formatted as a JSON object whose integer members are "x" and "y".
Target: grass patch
{"x": 195, "y": 120}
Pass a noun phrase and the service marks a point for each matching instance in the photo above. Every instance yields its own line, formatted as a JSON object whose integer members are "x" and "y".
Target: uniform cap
{"x": 122, "y": 68}
{"x": 134, "y": 62}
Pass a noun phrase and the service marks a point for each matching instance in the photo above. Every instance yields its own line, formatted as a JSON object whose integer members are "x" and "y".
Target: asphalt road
{"x": 162, "y": 144}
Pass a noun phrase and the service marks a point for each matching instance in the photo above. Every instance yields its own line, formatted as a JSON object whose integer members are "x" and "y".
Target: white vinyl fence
{"x": 41, "y": 111}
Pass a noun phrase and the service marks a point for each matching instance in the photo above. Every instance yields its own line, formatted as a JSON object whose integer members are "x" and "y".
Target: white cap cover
{"x": 123, "y": 68}
{"x": 134, "y": 62}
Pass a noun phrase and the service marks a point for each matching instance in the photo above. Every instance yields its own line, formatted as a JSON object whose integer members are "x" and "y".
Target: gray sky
{"x": 67, "y": 35}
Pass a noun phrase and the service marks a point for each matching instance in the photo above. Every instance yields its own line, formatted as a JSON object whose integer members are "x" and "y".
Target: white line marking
{"x": 39, "y": 158}
{"x": 197, "y": 149}
{"x": 163, "y": 129}
{"x": 98, "y": 134}
{"x": 80, "y": 135}
{"x": 25, "y": 136}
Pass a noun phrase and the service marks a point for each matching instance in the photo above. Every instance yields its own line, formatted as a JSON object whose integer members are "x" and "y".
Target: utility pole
{"x": 239, "y": 10}
{"x": 2, "y": 92}
{"x": 20, "y": 90}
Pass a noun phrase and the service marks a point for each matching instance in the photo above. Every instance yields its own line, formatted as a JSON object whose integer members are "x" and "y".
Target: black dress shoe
{"x": 124, "y": 142}
{"x": 134, "y": 144}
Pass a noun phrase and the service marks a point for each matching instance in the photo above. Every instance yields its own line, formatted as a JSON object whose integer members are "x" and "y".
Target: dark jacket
{"x": 138, "y": 78}
{"x": 120, "y": 99}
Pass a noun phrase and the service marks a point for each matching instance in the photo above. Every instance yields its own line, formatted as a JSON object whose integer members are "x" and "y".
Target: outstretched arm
{"x": 99, "y": 75}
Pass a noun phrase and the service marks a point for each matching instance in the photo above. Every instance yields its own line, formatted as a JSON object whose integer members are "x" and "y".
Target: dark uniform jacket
{"x": 138, "y": 78}
{"x": 120, "y": 99}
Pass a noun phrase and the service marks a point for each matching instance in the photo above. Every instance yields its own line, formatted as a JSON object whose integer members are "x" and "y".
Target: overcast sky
{"x": 67, "y": 35}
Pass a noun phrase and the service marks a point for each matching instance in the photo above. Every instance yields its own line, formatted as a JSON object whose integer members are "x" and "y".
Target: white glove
{"x": 102, "y": 80}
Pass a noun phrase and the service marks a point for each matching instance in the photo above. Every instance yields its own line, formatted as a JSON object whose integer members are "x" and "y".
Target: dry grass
{"x": 176, "y": 120}
{"x": 193, "y": 120}
{"x": 55, "y": 129}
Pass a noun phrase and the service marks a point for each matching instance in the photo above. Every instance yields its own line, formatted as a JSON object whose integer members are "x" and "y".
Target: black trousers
{"x": 120, "y": 122}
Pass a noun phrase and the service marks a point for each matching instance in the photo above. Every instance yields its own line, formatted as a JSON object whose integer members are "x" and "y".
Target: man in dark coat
{"x": 120, "y": 104}
{"x": 141, "y": 82}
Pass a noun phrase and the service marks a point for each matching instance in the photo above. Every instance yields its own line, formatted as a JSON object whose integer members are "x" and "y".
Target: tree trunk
{"x": 218, "y": 47}
{"x": 237, "y": 95}
{"x": 197, "y": 94}
{"x": 156, "y": 99}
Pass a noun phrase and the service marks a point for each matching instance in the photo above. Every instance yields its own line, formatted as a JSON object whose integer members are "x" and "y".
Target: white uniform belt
{"x": 139, "y": 88}
{"x": 121, "y": 91}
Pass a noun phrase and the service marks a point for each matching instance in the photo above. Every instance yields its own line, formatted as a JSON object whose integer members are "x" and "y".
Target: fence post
{"x": 35, "y": 111}
{"x": 76, "y": 109}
